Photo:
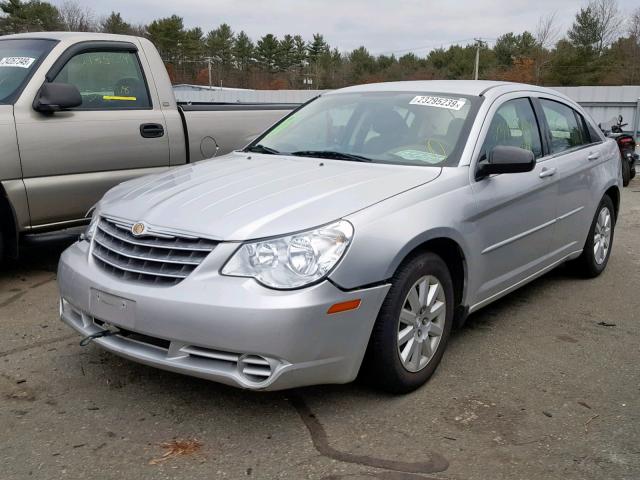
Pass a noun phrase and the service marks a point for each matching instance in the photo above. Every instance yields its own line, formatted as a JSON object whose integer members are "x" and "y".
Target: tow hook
{"x": 102, "y": 333}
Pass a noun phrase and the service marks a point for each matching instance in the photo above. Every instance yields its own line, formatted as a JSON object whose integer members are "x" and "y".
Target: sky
{"x": 383, "y": 26}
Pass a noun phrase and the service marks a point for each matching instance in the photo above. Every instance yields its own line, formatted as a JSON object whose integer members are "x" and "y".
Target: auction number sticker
{"x": 22, "y": 62}
{"x": 439, "y": 102}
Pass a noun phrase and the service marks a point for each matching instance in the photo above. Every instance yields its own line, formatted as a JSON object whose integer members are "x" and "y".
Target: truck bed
{"x": 213, "y": 129}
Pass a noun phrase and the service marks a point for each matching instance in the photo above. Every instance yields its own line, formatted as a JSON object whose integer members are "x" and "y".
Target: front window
{"x": 107, "y": 80}
{"x": 18, "y": 60}
{"x": 409, "y": 128}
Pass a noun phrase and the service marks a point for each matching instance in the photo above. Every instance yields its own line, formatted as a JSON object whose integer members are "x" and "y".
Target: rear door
{"x": 516, "y": 212}
{"x": 69, "y": 159}
{"x": 575, "y": 156}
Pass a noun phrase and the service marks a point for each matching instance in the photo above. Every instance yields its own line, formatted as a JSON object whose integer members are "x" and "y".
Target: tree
{"x": 220, "y": 46}
{"x": 547, "y": 32}
{"x": 286, "y": 54}
{"x": 167, "y": 34}
{"x": 595, "y": 26}
{"x": 362, "y": 64}
{"x": 242, "y": 51}
{"x": 267, "y": 52}
{"x": 510, "y": 47}
{"x": 317, "y": 47}
{"x": 115, "y": 24}
{"x": 30, "y": 16}
{"x": 77, "y": 18}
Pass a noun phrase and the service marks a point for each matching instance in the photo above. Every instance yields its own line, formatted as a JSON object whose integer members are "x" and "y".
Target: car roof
{"x": 456, "y": 87}
{"x": 72, "y": 36}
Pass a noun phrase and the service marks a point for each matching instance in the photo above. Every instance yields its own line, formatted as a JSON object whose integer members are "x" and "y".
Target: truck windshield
{"x": 411, "y": 128}
{"x": 18, "y": 60}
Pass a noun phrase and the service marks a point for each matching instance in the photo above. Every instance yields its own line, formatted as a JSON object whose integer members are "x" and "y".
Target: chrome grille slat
{"x": 199, "y": 245}
{"x": 151, "y": 259}
{"x": 114, "y": 263}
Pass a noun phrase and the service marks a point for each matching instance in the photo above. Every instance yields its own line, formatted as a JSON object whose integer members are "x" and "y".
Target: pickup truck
{"x": 82, "y": 112}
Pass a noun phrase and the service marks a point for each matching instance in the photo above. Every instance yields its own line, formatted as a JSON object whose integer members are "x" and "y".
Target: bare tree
{"x": 77, "y": 18}
{"x": 633, "y": 27}
{"x": 608, "y": 22}
{"x": 547, "y": 31}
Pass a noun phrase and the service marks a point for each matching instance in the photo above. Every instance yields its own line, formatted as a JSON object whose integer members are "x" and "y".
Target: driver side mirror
{"x": 505, "y": 159}
{"x": 54, "y": 97}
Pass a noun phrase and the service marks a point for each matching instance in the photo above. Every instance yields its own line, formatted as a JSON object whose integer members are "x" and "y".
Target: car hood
{"x": 241, "y": 197}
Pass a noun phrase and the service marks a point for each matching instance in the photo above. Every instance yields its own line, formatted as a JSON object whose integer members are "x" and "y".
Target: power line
{"x": 435, "y": 45}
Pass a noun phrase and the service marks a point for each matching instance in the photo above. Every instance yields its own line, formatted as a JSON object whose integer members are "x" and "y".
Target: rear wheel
{"x": 413, "y": 326}
{"x": 597, "y": 248}
{"x": 626, "y": 172}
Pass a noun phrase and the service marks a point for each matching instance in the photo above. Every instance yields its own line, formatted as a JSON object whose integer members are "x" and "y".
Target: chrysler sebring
{"x": 349, "y": 237}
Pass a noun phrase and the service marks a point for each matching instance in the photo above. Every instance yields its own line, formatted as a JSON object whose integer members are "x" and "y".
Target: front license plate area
{"x": 113, "y": 309}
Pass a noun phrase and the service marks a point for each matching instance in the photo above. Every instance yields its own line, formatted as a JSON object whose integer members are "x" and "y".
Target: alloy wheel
{"x": 421, "y": 323}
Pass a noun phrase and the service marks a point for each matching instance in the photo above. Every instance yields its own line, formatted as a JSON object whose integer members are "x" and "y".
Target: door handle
{"x": 547, "y": 172}
{"x": 151, "y": 130}
{"x": 593, "y": 156}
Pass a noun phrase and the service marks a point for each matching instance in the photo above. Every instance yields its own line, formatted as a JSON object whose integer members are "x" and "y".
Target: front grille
{"x": 154, "y": 258}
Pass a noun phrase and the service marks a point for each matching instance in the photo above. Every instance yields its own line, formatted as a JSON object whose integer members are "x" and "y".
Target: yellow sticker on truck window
{"x": 116, "y": 97}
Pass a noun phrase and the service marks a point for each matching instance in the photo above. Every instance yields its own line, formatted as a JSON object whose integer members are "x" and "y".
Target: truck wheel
{"x": 626, "y": 172}
{"x": 413, "y": 326}
{"x": 597, "y": 248}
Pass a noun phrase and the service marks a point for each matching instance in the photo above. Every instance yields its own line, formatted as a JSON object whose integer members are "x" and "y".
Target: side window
{"x": 565, "y": 125}
{"x": 514, "y": 124}
{"x": 107, "y": 80}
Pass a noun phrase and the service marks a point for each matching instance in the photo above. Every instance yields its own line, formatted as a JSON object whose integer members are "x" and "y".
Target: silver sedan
{"x": 347, "y": 239}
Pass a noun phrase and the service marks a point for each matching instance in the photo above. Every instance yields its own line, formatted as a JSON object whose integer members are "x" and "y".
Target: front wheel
{"x": 413, "y": 326}
{"x": 597, "y": 248}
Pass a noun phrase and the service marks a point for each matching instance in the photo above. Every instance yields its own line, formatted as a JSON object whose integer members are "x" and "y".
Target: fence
{"x": 603, "y": 103}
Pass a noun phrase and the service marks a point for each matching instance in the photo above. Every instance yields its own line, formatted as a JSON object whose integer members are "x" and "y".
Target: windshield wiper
{"x": 331, "y": 154}
{"x": 262, "y": 149}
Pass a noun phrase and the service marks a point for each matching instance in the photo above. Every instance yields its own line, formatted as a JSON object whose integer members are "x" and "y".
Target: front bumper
{"x": 226, "y": 329}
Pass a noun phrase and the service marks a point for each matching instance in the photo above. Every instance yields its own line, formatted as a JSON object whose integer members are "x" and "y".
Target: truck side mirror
{"x": 54, "y": 97}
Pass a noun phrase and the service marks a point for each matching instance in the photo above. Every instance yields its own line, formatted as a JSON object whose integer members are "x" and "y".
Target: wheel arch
{"x": 452, "y": 252}
{"x": 613, "y": 192}
{"x": 8, "y": 225}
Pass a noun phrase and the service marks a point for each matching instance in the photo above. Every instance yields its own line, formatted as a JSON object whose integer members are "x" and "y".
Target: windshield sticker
{"x": 439, "y": 102}
{"x": 420, "y": 156}
{"x": 21, "y": 62}
{"x": 116, "y": 97}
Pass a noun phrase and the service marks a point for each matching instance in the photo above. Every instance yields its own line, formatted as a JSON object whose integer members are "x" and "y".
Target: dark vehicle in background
{"x": 627, "y": 145}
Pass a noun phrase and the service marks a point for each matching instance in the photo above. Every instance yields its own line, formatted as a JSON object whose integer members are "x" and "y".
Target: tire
{"x": 626, "y": 172}
{"x": 383, "y": 366}
{"x": 588, "y": 263}
{"x": 1, "y": 245}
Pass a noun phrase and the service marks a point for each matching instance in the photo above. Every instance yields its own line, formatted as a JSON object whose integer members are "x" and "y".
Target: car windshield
{"x": 18, "y": 60}
{"x": 409, "y": 128}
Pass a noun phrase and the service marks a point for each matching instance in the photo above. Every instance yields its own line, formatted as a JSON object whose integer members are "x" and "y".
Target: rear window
{"x": 19, "y": 58}
{"x": 566, "y": 126}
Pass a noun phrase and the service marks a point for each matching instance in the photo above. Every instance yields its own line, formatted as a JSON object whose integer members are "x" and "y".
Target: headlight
{"x": 294, "y": 260}
{"x": 91, "y": 228}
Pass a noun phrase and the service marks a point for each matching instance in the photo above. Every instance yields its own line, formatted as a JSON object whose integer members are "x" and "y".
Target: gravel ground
{"x": 534, "y": 386}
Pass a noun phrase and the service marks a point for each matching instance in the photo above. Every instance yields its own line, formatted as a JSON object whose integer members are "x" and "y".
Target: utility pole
{"x": 208, "y": 59}
{"x": 477, "y": 65}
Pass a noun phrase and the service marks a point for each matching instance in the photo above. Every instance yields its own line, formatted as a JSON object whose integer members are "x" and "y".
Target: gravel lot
{"x": 534, "y": 386}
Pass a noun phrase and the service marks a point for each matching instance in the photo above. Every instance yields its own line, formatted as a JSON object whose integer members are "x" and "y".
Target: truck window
{"x": 18, "y": 60}
{"x": 107, "y": 80}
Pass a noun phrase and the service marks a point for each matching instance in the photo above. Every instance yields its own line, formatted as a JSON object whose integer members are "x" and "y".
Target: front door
{"x": 516, "y": 212}
{"x": 69, "y": 159}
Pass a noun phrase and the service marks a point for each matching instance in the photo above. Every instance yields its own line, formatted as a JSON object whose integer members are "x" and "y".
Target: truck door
{"x": 70, "y": 158}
